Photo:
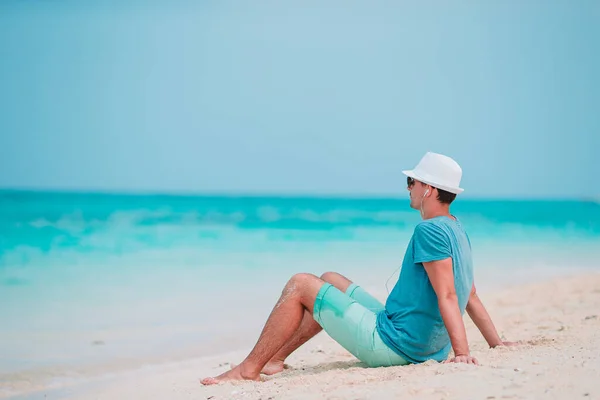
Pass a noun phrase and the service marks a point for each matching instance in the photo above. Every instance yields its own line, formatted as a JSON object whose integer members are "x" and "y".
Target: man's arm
{"x": 483, "y": 321}
{"x": 442, "y": 279}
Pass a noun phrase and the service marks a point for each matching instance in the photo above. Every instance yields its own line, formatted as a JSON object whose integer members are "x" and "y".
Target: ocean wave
{"x": 125, "y": 224}
{"x": 77, "y": 222}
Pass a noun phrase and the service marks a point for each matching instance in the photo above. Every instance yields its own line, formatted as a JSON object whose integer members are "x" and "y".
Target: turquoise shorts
{"x": 351, "y": 320}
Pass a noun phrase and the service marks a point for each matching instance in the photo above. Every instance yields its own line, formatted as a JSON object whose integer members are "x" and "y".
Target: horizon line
{"x": 256, "y": 194}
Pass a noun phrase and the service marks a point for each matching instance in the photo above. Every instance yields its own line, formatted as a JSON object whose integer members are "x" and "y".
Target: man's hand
{"x": 462, "y": 359}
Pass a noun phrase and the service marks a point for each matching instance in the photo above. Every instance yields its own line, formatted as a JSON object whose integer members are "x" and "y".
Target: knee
{"x": 337, "y": 280}
{"x": 299, "y": 280}
{"x": 330, "y": 276}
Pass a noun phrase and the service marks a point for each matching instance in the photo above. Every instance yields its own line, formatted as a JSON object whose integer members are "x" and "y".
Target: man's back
{"x": 411, "y": 323}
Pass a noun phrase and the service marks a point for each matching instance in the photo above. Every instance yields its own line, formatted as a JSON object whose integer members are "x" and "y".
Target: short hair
{"x": 445, "y": 197}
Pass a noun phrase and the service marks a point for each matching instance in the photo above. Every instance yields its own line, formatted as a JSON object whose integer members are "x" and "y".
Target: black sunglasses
{"x": 410, "y": 181}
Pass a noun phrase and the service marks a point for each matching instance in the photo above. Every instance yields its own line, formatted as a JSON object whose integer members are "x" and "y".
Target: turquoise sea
{"x": 90, "y": 281}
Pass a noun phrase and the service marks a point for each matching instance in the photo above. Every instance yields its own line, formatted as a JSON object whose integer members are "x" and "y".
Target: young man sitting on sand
{"x": 422, "y": 317}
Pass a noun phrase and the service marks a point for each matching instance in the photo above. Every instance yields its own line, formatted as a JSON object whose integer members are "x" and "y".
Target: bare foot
{"x": 272, "y": 367}
{"x": 235, "y": 374}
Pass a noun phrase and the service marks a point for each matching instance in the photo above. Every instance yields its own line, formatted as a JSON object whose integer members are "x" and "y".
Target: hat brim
{"x": 411, "y": 173}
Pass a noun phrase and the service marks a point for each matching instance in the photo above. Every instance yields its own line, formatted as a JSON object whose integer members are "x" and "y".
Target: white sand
{"x": 559, "y": 321}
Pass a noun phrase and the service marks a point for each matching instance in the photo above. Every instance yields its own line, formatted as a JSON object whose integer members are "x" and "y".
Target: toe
{"x": 209, "y": 381}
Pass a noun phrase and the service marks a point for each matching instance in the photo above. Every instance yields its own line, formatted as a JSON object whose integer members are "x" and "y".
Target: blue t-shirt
{"x": 411, "y": 323}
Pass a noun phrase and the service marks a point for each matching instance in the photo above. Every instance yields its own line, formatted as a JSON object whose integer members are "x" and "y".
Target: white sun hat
{"x": 439, "y": 171}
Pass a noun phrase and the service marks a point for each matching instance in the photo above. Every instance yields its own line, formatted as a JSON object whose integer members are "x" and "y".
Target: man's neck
{"x": 442, "y": 211}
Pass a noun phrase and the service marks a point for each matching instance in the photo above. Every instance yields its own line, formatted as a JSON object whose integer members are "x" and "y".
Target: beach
{"x": 123, "y": 296}
{"x": 167, "y": 167}
{"x": 557, "y": 320}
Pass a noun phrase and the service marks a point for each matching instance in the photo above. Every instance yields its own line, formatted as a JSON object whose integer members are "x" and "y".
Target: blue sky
{"x": 318, "y": 97}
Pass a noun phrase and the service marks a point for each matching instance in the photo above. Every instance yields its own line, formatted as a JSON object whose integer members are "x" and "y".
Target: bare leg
{"x": 298, "y": 295}
{"x": 307, "y": 330}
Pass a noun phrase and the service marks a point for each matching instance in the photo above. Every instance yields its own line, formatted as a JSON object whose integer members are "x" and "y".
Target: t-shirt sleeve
{"x": 430, "y": 243}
